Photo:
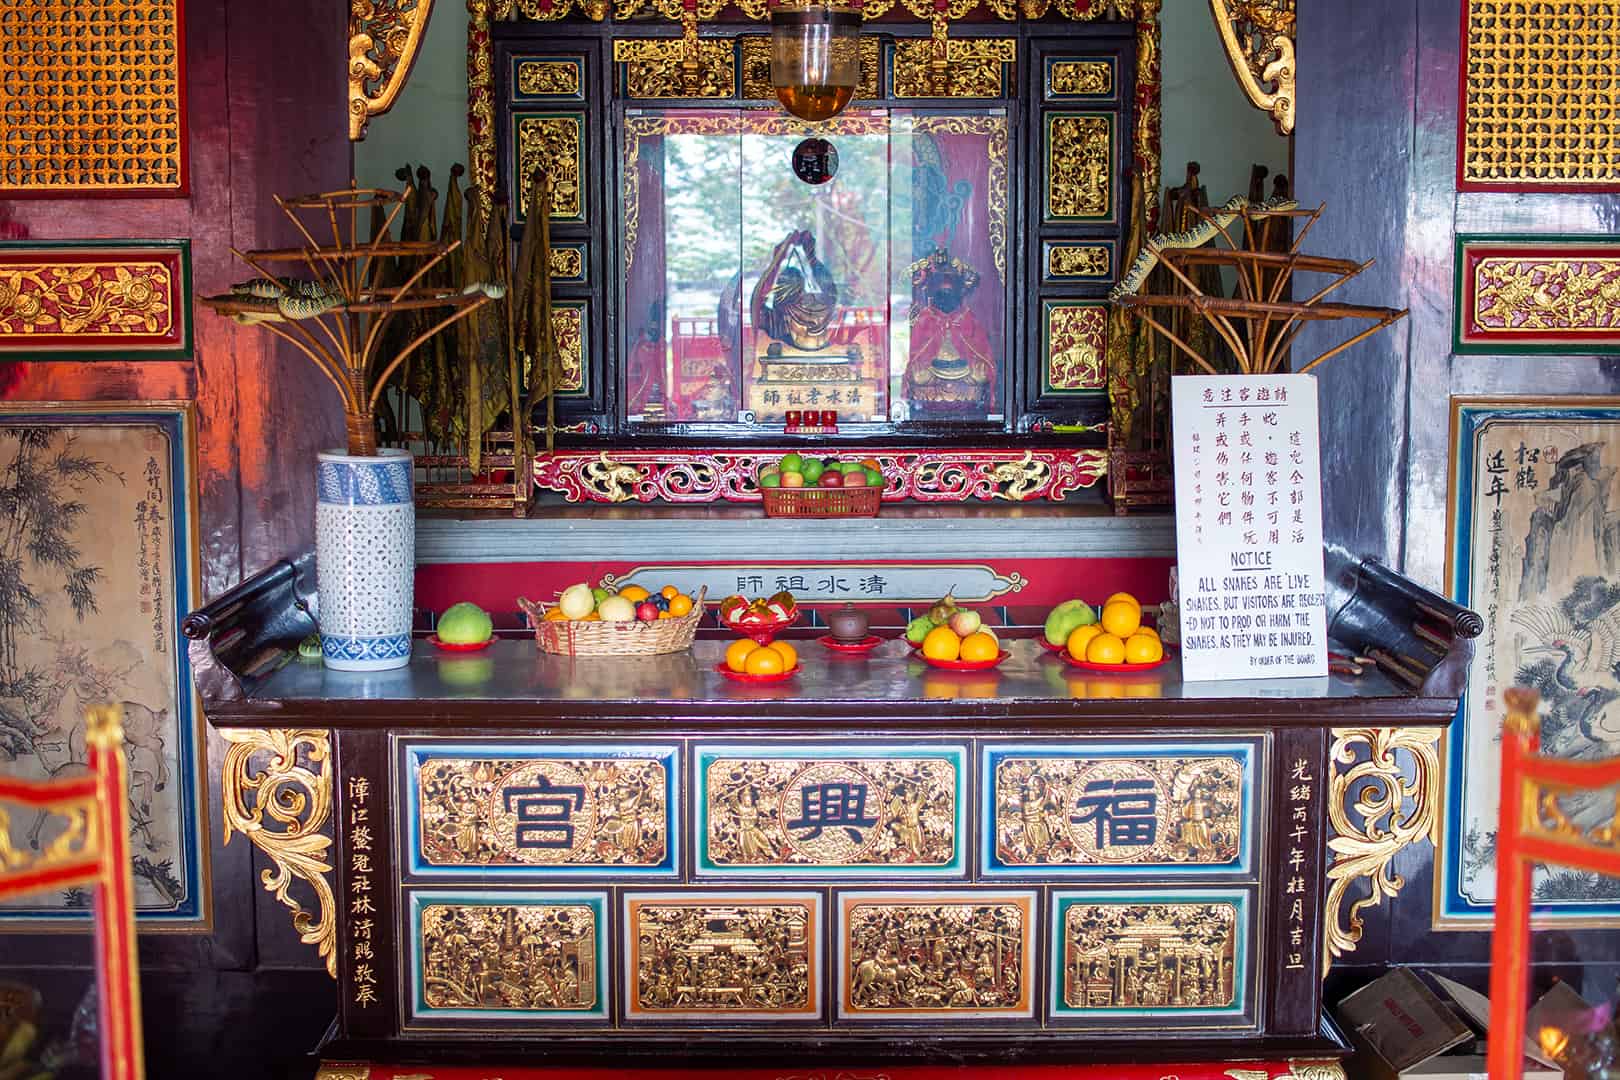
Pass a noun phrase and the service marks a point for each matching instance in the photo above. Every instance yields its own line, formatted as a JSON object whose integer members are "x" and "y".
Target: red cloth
{"x": 1274, "y": 1070}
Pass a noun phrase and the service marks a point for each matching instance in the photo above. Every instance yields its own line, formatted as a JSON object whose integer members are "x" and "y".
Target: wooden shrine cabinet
{"x": 634, "y": 861}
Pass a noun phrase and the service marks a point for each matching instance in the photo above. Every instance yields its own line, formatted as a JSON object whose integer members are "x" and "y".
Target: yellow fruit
{"x": 737, "y": 654}
{"x": 1149, "y": 631}
{"x": 1080, "y": 637}
{"x": 1106, "y": 649}
{"x": 634, "y": 593}
{"x": 1121, "y": 618}
{"x": 1123, "y": 598}
{"x": 595, "y": 616}
{"x": 1108, "y": 689}
{"x": 764, "y": 661}
{"x": 680, "y": 604}
{"x": 556, "y": 615}
{"x": 942, "y": 644}
{"x": 665, "y": 615}
{"x": 980, "y": 646}
{"x": 1143, "y": 649}
{"x": 669, "y": 592}
{"x": 789, "y": 655}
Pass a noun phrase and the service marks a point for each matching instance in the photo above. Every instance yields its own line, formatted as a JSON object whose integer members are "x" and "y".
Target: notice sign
{"x": 1249, "y": 526}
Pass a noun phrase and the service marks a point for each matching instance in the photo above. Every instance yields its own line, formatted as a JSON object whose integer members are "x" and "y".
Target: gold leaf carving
{"x": 548, "y": 78}
{"x": 1079, "y": 172}
{"x": 1081, "y": 77}
{"x": 653, "y": 68}
{"x": 975, "y": 67}
{"x": 1149, "y": 956}
{"x": 1078, "y": 260}
{"x": 555, "y": 144}
{"x": 531, "y": 957}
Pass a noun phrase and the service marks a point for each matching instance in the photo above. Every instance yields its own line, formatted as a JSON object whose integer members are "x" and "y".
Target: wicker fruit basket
{"x": 573, "y": 637}
{"x": 821, "y": 502}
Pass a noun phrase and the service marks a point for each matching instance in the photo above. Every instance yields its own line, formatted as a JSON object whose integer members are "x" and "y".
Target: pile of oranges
{"x": 746, "y": 657}
{"x": 1118, "y": 637}
{"x": 944, "y": 643}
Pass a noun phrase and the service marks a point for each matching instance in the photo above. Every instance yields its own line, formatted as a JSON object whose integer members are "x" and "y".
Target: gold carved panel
{"x": 567, "y": 263}
{"x": 570, "y": 812}
{"x": 1079, "y": 261}
{"x": 553, "y": 142}
{"x": 90, "y": 102}
{"x": 1065, "y": 809}
{"x": 785, "y": 812}
{"x": 1541, "y": 95}
{"x": 938, "y": 955}
{"x": 725, "y": 956}
{"x": 571, "y": 331}
{"x": 975, "y": 67}
{"x": 1079, "y": 165}
{"x": 653, "y": 68}
{"x": 541, "y": 957}
{"x": 550, "y": 79}
{"x": 1076, "y": 345}
{"x": 756, "y": 68}
{"x": 1139, "y": 956}
{"x": 1080, "y": 78}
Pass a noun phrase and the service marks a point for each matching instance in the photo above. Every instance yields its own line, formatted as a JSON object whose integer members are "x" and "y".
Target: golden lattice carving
{"x": 554, "y": 143}
{"x": 1080, "y": 78}
{"x": 90, "y": 98}
{"x": 653, "y": 68}
{"x": 1259, "y": 40}
{"x": 1079, "y": 169}
{"x": 548, "y": 78}
{"x": 383, "y": 40}
{"x": 974, "y": 67}
{"x": 1376, "y": 810}
{"x": 1541, "y": 94}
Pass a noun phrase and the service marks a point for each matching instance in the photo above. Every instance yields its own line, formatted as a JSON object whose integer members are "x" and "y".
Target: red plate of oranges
{"x": 749, "y": 661}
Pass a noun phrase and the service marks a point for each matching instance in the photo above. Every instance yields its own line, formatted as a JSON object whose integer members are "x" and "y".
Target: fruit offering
{"x": 949, "y": 634}
{"x": 744, "y": 615}
{"x": 1115, "y": 636}
{"x": 632, "y": 603}
{"x": 464, "y": 625}
{"x": 803, "y": 470}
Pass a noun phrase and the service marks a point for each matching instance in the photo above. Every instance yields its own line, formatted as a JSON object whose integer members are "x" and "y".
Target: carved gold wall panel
{"x": 1056, "y": 808}
{"x": 1079, "y": 166}
{"x": 782, "y": 812}
{"x": 528, "y": 956}
{"x": 91, "y": 299}
{"x": 1071, "y": 261}
{"x": 723, "y": 955}
{"x": 559, "y": 812}
{"x": 653, "y": 68}
{"x": 946, "y": 955}
{"x": 756, "y": 68}
{"x": 1541, "y": 96}
{"x": 571, "y": 328}
{"x": 557, "y": 79}
{"x": 1537, "y": 294}
{"x": 1076, "y": 336}
{"x": 553, "y": 142}
{"x": 383, "y": 39}
{"x": 568, "y": 264}
{"x": 90, "y": 98}
{"x": 975, "y": 67}
{"x": 1079, "y": 78}
{"x": 1164, "y": 955}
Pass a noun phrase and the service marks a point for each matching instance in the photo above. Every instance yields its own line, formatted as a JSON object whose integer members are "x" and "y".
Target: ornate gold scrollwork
{"x": 554, "y": 142}
{"x": 549, "y": 78}
{"x": 1394, "y": 810}
{"x": 1078, "y": 260}
{"x": 1081, "y": 78}
{"x": 663, "y": 67}
{"x": 607, "y": 478}
{"x": 1259, "y": 40}
{"x": 281, "y": 803}
{"x": 383, "y": 39}
{"x": 973, "y": 67}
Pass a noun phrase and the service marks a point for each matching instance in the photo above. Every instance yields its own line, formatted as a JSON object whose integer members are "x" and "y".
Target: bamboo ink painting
{"x": 96, "y": 572}
{"x": 1535, "y": 549}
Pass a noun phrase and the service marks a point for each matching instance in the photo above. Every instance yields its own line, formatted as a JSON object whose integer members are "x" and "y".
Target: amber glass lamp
{"x": 815, "y": 57}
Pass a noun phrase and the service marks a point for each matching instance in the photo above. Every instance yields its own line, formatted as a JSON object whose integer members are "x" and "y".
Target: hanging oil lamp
{"x": 815, "y": 57}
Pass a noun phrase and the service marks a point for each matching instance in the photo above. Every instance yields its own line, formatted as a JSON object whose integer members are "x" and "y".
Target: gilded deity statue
{"x": 951, "y": 371}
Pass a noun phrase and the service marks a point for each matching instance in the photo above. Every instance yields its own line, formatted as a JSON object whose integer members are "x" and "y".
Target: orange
{"x": 790, "y": 657}
{"x": 980, "y": 646}
{"x": 737, "y": 654}
{"x": 1143, "y": 649}
{"x": 665, "y": 615}
{"x": 1106, "y": 649}
{"x": 1121, "y": 618}
{"x": 680, "y": 604}
{"x": 1080, "y": 637}
{"x": 764, "y": 661}
{"x": 595, "y": 616}
{"x": 669, "y": 592}
{"x": 556, "y": 615}
{"x": 1124, "y": 597}
{"x": 634, "y": 593}
{"x": 1149, "y": 631}
{"x": 942, "y": 644}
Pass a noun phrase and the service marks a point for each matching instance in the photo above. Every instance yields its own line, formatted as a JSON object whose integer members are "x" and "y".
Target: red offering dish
{"x": 762, "y": 632}
{"x": 744, "y": 677}
{"x": 433, "y": 639}
{"x": 966, "y": 665}
{"x": 851, "y": 648}
{"x": 1055, "y": 650}
{"x": 1118, "y": 669}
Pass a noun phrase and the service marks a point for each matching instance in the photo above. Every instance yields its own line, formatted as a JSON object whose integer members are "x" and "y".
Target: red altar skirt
{"x": 1228, "y": 1070}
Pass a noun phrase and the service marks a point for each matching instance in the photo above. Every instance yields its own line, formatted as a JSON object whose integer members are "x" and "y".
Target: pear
{"x": 943, "y": 609}
{"x": 1063, "y": 619}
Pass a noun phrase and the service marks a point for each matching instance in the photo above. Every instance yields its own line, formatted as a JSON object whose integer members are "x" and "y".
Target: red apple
{"x": 793, "y": 480}
{"x": 647, "y": 611}
{"x": 832, "y": 478}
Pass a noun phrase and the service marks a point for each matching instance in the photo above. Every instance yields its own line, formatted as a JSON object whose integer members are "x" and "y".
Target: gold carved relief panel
{"x": 1079, "y": 166}
{"x": 756, "y": 68}
{"x": 975, "y": 68}
{"x": 554, "y": 78}
{"x": 90, "y": 100}
{"x": 723, "y": 955}
{"x": 1091, "y": 261}
{"x": 1076, "y": 336}
{"x": 1079, "y": 78}
{"x": 555, "y": 143}
{"x": 653, "y": 68}
{"x": 936, "y": 955}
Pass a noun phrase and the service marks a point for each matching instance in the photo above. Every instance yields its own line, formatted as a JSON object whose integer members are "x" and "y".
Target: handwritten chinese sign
{"x": 1249, "y": 526}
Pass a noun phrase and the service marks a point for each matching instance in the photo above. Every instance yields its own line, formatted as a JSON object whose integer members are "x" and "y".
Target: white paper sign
{"x": 1249, "y": 526}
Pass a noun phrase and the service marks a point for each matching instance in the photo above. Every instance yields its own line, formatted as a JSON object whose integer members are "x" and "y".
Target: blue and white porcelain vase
{"x": 365, "y": 559}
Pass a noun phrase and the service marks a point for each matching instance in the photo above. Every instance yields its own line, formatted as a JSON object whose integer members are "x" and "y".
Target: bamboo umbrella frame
{"x": 343, "y": 335}
{"x": 1270, "y": 323}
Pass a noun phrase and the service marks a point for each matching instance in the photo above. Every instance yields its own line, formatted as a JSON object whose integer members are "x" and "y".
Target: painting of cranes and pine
{"x": 1535, "y": 549}
{"x": 95, "y": 574}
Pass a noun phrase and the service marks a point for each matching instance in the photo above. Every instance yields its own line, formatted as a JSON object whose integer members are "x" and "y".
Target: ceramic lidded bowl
{"x": 848, "y": 624}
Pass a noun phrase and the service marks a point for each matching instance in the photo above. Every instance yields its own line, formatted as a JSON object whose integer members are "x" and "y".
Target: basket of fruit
{"x": 630, "y": 622}
{"x": 810, "y": 487}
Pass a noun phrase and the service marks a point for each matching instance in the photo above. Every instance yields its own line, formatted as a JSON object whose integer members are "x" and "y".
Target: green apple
{"x": 812, "y": 471}
{"x": 770, "y": 480}
{"x": 918, "y": 628}
{"x": 790, "y": 463}
{"x": 874, "y": 478}
{"x": 464, "y": 624}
